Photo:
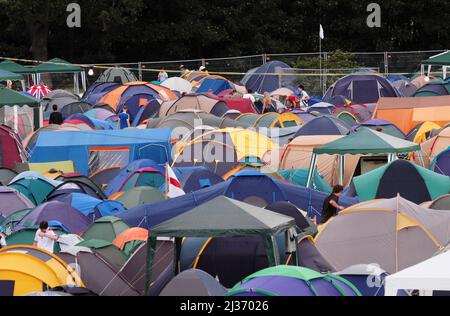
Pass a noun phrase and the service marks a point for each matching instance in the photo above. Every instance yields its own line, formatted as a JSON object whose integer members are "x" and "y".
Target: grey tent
{"x": 117, "y": 74}
{"x": 97, "y": 273}
{"x": 193, "y": 282}
{"x": 441, "y": 203}
{"x": 6, "y": 175}
{"x": 193, "y": 119}
{"x": 140, "y": 195}
{"x": 221, "y": 217}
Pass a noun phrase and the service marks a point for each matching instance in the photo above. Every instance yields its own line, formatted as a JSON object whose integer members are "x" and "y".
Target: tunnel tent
{"x": 222, "y": 217}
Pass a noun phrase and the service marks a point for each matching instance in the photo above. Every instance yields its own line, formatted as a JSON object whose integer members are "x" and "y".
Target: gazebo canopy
{"x": 57, "y": 65}
{"x": 367, "y": 141}
{"x": 10, "y": 97}
{"x": 16, "y": 68}
{"x": 438, "y": 60}
{"x": 7, "y": 75}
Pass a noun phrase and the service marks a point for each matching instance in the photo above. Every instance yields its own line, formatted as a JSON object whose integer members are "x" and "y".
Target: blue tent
{"x": 94, "y": 150}
{"x": 247, "y": 186}
{"x": 259, "y": 80}
{"x": 441, "y": 163}
{"x": 215, "y": 85}
{"x": 324, "y": 125}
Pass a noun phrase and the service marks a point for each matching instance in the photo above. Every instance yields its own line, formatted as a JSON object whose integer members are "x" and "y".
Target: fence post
{"x": 140, "y": 70}
{"x": 386, "y": 63}
{"x": 264, "y": 57}
{"x": 325, "y": 77}
{"x": 203, "y": 62}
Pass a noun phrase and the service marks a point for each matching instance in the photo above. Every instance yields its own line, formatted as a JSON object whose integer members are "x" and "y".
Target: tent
{"x": 347, "y": 118}
{"x": 193, "y": 282}
{"x": 214, "y": 85}
{"x": 441, "y": 163}
{"x": 297, "y": 155}
{"x": 222, "y": 217}
{"x": 178, "y": 84}
{"x": 433, "y": 88}
{"x": 26, "y": 236}
{"x": 293, "y": 281}
{"x": 427, "y": 276}
{"x": 250, "y": 187}
{"x": 405, "y": 113}
{"x": 268, "y": 77}
{"x": 197, "y": 102}
{"x": 69, "y": 217}
{"x": 221, "y": 150}
{"x": 11, "y": 150}
{"x": 75, "y": 185}
{"x": 6, "y": 175}
{"x": 116, "y": 98}
{"x": 10, "y": 222}
{"x": 117, "y": 75}
{"x": 96, "y": 91}
{"x": 60, "y": 66}
{"x": 401, "y": 177}
{"x": 322, "y": 107}
{"x": 33, "y": 185}
{"x": 421, "y": 132}
{"x": 362, "y": 88}
{"x": 382, "y": 126}
{"x": 271, "y": 120}
{"x": 441, "y": 203}
{"x": 198, "y": 179}
{"x": 74, "y": 108}
{"x": 324, "y": 125}
{"x": 300, "y": 177}
{"x": 361, "y": 112}
{"x": 130, "y": 239}
{"x": 106, "y": 228}
{"x": 38, "y": 270}
{"x": 14, "y": 67}
{"x": 110, "y": 252}
{"x": 22, "y": 113}
{"x": 145, "y": 177}
{"x": 138, "y": 196}
{"x": 393, "y": 233}
{"x": 97, "y": 150}
{"x": 365, "y": 141}
{"x": 432, "y": 147}
{"x": 441, "y": 60}
{"x": 12, "y": 200}
{"x": 98, "y": 274}
{"x": 104, "y": 176}
{"x": 303, "y": 224}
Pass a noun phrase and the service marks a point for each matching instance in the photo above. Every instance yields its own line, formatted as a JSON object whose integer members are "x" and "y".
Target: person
{"x": 183, "y": 69}
{"x": 304, "y": 96}
{"x": 163, "y": 76}
{"x": 56, "y": 117}
{"x": 45, "y": 237}
{"x": 203, "y": 69}
{"x": 267, "y": 103}
{"x": 124, "y": 118}
{"x": 331, "y": 204}
{"x": 2, "y": 241}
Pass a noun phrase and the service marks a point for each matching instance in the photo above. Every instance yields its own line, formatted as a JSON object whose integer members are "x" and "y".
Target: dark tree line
{"x": 133, "y": 30}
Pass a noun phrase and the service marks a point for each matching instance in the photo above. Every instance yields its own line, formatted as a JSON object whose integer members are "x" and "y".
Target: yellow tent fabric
{"x": 32, "y": 274}
{"x": 423, "y": 130}
{"x": 64, "y": 166}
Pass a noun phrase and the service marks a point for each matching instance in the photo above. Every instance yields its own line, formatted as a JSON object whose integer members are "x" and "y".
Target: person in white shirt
{"x": 2, "y": 241}
{"x": 45, "y": 237}
{"x": 162, "y": 76}
{"x": 304, "y": 96}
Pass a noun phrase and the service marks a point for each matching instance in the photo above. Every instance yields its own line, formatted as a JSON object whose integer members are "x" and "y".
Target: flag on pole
{"x": 173, "y": 186}
{"x": 321, "y": 33}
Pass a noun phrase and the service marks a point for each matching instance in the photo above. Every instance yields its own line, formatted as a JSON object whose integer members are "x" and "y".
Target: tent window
{"x": 6, "y": 288}
{"x": 106, "y": 157}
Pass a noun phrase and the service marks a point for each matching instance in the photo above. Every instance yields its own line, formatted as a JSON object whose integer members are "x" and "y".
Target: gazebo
{"x": 440, "y": 60}
{"x": 221, "y": 217}
{"x": 57, "y": 65}
{"x": 363, "y": 142}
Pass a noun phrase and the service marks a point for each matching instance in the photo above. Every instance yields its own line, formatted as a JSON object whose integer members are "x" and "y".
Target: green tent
{"x": 107, "y": 250}
{"x": 35, "y": 189}
{"x": 26, "y": 237}
{"x": 366, "y": 141}
{"x": 140, "y": 195}
{"x": 7, "y": 75}
{"x": 57, "y": 65}
{"x": 16, "y": 68}
{"x": 300, "y": 176}
{"x": 221, "y": 217}
{"x": 438, "y": 60}
{"x": 11, "y": 98}
{"x": 106, "y": 228}
{"x": 11, "y": 221}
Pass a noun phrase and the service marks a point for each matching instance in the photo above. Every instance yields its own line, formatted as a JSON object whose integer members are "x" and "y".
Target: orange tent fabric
{"x": 135, "y": 233}
{"x": 113, "y": 97}
{"x": 408, "y": 112}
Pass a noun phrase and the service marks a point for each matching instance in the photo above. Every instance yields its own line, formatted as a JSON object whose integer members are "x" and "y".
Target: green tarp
{"x": 16, "y": 68}
{"x": 56, "y": 65}
{"x": 367, "y": 141}
{"x": 440, "y": 60}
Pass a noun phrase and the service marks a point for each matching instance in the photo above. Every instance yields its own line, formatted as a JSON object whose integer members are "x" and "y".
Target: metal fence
{"x": 316, "y": 80}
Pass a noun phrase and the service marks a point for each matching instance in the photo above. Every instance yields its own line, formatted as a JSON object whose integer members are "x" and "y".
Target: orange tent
{"x": 131, "y": 234}
{"x": 113, "y": 97}
{"x": 408, "y": 112}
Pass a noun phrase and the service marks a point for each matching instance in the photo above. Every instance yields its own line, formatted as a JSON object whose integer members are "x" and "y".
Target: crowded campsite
{"x": 199, "y": 183}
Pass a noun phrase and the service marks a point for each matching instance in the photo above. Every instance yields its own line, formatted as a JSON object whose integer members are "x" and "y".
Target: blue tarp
{"x": 215, "y": 85}
{"x": 239, "y": 187}
{"x": 78, "y": 145}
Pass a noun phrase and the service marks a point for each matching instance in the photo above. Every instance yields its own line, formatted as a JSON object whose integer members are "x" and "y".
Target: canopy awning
{"x": 438, "y": 60}
{"x": 57, "y": 65}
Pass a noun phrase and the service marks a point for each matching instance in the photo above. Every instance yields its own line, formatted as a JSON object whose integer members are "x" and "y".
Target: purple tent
{"x": 71, "y": 218}
{"x": 293, "y": 281}
{"x": 324, "y": 125}
{"x": 362, "y": 88}
{"x": 12, "y": 200}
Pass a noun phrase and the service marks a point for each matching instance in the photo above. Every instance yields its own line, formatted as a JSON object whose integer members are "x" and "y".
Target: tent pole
{"x": 311, "y": 170}
{"x": 422, "y": 69}
{"x": 341, "y": 169}
{"x": 421, "y": 161}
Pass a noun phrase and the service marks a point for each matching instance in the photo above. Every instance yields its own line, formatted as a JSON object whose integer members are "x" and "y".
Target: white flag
{"x": 321, "y": 33}
{"x": 174, "y": 188}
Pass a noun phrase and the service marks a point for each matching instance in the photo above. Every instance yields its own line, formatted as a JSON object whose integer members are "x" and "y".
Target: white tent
{"x": 178, "y": 84}
{"x": 427, "y": 276}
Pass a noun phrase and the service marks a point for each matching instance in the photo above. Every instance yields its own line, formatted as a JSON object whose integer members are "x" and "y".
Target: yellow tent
{"x": 45, "y": 167}
{"x": 27, "y": 269}
{"x": 425, "y": 128}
